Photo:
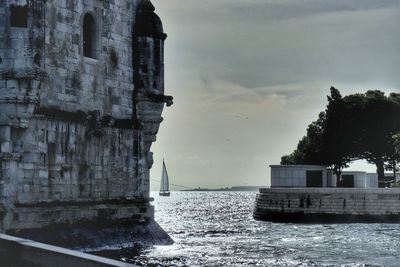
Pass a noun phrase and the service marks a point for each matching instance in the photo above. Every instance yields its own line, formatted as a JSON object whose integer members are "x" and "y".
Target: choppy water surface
{"x": 217, "y": 228}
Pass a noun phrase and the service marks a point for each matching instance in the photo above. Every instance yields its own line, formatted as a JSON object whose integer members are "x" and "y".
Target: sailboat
{"x": 164, "y": 187}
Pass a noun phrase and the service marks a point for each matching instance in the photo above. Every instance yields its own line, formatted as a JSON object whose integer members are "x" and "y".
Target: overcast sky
{"x": 248, "y": 76}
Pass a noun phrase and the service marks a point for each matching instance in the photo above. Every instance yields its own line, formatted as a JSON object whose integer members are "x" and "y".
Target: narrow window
{"x": 89, "y": 36}
{"x": 51, "y": 153}
{"x": 157, "y": 56}
{"x": 157, "y": 52}
{"x": 18, "y": 16}
{"x": 36, "y": 60}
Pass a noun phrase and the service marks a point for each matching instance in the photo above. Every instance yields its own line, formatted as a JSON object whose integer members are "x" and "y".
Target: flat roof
{"x": 297, "y": 166}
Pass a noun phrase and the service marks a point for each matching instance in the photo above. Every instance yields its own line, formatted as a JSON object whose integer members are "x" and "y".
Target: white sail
{"x": 164, "y": 180}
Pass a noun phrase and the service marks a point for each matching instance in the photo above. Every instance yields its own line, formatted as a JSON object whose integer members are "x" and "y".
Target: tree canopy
{"x": 357, "y": 126}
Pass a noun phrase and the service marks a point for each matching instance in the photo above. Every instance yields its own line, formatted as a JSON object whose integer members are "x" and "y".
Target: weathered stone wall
{"x": 328, "y": 204}
{"x": 76, "y": 127}
{"x": 59, "y": 163}
{"x": 82, "y": 83}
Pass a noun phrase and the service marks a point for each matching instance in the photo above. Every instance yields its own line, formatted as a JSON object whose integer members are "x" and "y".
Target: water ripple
{"x": 217, "y": 229}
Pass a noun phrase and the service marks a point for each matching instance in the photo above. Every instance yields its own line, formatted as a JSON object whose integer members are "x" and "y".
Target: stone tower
{"x": 81, "y": 97}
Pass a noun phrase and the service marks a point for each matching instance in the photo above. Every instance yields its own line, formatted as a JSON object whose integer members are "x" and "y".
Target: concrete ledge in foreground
{"x": 22, "y": 252}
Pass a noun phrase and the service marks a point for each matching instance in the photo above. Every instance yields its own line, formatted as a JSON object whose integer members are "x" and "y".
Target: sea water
{"x": 217, "y": 229}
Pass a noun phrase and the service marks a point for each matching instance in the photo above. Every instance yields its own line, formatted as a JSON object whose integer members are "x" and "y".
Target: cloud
{"x": 248, "y": 76}
{"x": 211, "y": 11}
{"x": 220, "y": 92}
{"x": 346, "y": 46}
{"x": 287, "y": 9}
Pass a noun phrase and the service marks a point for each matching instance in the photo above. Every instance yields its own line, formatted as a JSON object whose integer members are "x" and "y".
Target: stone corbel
{"x": 169, "y": 100}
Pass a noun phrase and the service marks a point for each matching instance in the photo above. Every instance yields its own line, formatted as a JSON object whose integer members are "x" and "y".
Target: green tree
{"x": 379, "y": 122}
{"x": 357, "y": 126}
{"x": 335, "y": 141}
{"x": 308, "y": 149}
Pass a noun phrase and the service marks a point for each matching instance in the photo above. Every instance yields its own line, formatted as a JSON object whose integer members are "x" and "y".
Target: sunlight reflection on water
{"x": 217, "y": 228}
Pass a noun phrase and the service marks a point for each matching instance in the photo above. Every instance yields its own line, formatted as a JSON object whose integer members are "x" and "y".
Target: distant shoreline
{"x": 227, "y": 189}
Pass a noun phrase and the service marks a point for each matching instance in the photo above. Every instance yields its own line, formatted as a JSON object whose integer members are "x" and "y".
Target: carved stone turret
{"x": 148, "y": 60}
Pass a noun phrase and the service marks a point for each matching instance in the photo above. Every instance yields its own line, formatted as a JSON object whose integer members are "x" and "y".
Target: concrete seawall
{"x": 328, "y": 205}
{"x": 22, "y": 252}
